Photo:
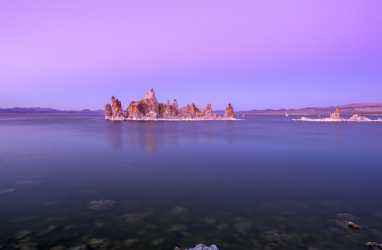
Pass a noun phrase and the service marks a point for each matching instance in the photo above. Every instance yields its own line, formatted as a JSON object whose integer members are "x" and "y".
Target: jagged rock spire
{"x": 149, "y": 108}
{"x": 229, "y": 112}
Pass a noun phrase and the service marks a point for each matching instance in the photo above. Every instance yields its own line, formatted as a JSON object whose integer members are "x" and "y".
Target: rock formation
{"x": 168, "y": 110}
{"x": 200, "y": 247}
{"x": 336, "y": 115}
{"x": 150, "y": 109}
{"x": 229, "y": 112}
{"x": 108, "y": 110}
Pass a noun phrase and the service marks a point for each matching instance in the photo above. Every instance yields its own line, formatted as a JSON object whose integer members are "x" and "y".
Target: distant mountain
{"x": 371, "y": 109}
{"x": 45, "y": 110}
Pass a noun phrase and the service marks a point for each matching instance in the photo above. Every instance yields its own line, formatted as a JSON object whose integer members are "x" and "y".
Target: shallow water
{"x": 264, "y": 183}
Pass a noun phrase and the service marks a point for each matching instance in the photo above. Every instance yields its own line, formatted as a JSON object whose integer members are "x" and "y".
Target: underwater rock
{"x": 136, "y": 217}
{"x": 22, "y": 234}
{"x": 26, "y": 245}
{"x": 101, "y": 205}
{"x": 353, "y": 226}
{"x": 272, "y": 236}
{"x": 210, "y": 221}
{"x": 178, "y": 211}
{"x": 242, "y": 225}
{"x": 80, "y": 247}
{"x": 157, "y": 242}
{"x": 57, "y": 248}
{"x": 50, "y": 203}
{"x": 200, "y": 247}
{"x": 130, "y": 242}
{"x": 28, "y": 182}
{"x": 177, "y": 228}
{"x": 99, "y": 224}
{"x": 69, "y": 227}
{"x": 346, "y": 221}
{"x": 95, "y": 243}
{"x": 280, "y": 239}
{"x": 50, "y": 229}
{"x": 222, "y": 226}
{"x": 347, "y": 217}
{"x": 7, "y": 191}
{"x": 373, "y": 245}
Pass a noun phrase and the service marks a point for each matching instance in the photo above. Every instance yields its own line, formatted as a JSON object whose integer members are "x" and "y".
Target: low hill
{"x": 370, "y": 109}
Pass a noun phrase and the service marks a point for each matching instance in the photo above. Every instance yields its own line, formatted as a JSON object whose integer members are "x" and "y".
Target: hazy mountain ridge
{"x": 347, "y": 109}
{"x": 44, "y": 110}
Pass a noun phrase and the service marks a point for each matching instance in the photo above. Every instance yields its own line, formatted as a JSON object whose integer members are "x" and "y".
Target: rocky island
{"x": 336, "y": 117}
{"x": 150, "y": 109}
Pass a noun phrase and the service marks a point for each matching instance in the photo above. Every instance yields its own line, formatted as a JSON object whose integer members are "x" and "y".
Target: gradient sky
{"x": 74, "y": 54}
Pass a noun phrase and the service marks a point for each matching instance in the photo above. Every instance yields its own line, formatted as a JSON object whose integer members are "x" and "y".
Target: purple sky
{"x": 75, "y": 54}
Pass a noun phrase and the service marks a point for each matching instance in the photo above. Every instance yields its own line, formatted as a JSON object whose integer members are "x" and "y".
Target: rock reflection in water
{"x": 154, "y": 135}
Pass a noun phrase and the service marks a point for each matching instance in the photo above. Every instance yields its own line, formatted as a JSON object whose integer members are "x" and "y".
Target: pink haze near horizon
{"x": 255, "y": 54}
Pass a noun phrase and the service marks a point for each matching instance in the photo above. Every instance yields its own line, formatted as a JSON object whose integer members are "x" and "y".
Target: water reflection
{"x": 152, "y": 136}
{"x": 115, "y": 134}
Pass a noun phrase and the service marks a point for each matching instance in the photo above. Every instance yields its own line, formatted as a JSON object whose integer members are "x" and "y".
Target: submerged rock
{"x": 26, "y": 245}
{"x": 96, "y": 243}
{"x": 79, "y": 247}
{"x": 130, "y": 242}
{"x": 222, "y": 226}
{"x": 353, "y": 226}
{"x": 57, "y": 248}
{"x": 177, "y": 228}
{"x": 210, "y": 221}
{"x": 101, "y": 205}
{"x": 346, "y": 217}
{"x": 136, "y": 217}
{"x": 373, "y": 245}
{"x": 199, "y": 247}
{"x": 22, "y": 234}
{"x": 178, "y": 211}
{"x": 346, "y": 221}
{"x": 7, "y": 191}
{"x": 157, "y": 242}
{"x": 242, "y": 226}
{"x": 50, "y": 229}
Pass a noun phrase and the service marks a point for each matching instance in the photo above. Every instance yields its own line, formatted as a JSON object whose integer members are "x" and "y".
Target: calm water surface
{"x": 264, "y": 183}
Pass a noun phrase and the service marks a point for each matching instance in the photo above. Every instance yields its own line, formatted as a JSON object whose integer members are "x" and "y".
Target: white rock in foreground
{"x": 201, "y": 247}
{"x": 351, "y": 119}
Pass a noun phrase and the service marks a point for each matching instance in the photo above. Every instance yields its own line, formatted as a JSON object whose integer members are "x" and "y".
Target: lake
{"x": 72, "y": 181}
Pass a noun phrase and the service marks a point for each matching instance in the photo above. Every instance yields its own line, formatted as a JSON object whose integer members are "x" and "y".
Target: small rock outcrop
{"x": 199, "y": 247}
{"x": 108, "y": 110}
{"x": 229, "y": 112}
{"x": 353, "y": 226}
{"x": 336, "y": 115}
{"x": 101, "y": 205}
{"x": 114, "y": 110}
{"x": 149, "y": 108}
{"x": 135, "y": 110}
